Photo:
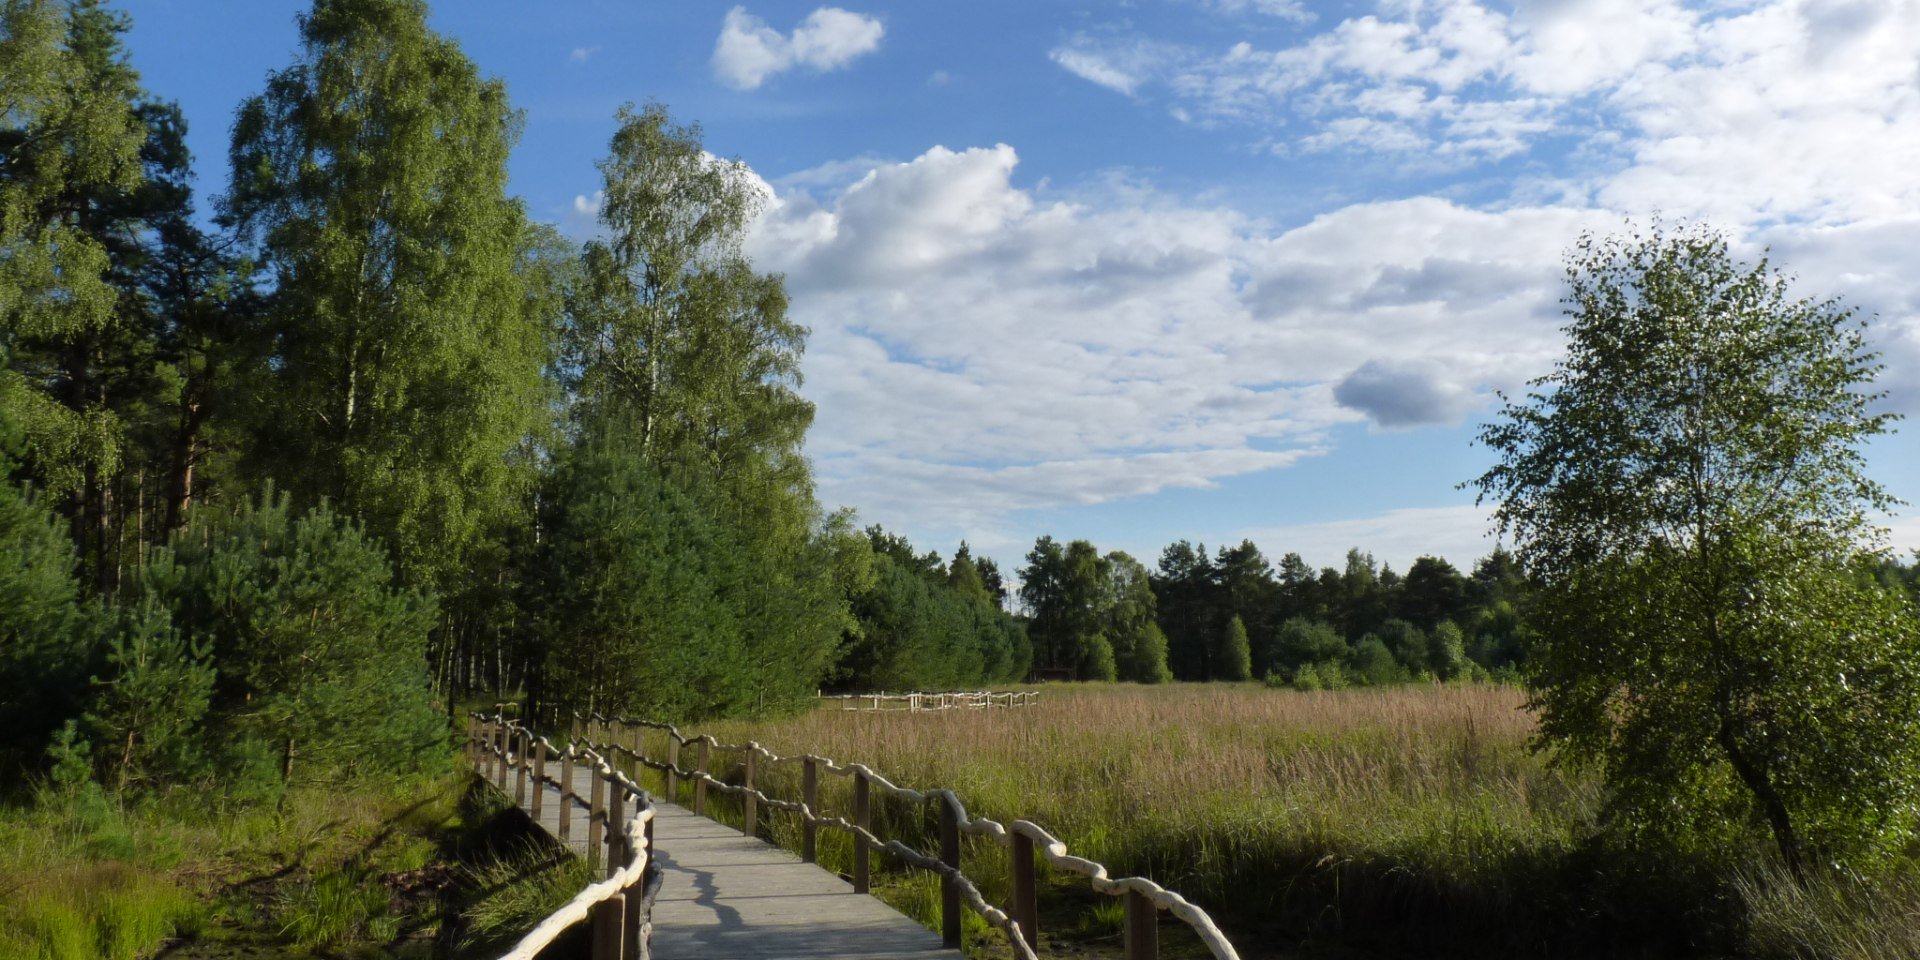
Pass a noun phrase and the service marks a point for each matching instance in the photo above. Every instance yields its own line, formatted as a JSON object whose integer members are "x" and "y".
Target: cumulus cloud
{"x": 981, "y": 348}
{"x": 978, "y": 350}
{"x": 749, "y": 51}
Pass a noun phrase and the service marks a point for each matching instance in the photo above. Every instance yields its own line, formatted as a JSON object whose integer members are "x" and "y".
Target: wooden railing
{"x": 916, "y": 702}
{"x": 508, "y": 755}
{"x": 611, "y": 736}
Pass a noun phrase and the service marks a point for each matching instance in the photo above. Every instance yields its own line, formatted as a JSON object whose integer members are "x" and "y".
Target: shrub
{"x": 46, "y": 630}
{"x": 320, "y": 661}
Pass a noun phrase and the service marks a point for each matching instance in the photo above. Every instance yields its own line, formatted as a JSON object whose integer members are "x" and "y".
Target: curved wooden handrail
{"x": 632, "y": 835}
{"x": 1050, "y": 847}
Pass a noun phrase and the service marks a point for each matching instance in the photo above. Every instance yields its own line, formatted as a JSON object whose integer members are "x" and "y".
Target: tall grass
{"x": 519, "y": 888}
{"x": 109, "y": 910}
{"x": 83, "y": 874}
{"x": 1410, "y": 821}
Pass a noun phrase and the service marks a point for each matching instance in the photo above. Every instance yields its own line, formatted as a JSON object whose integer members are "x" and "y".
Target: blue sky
{"x": 1202, "y": 269}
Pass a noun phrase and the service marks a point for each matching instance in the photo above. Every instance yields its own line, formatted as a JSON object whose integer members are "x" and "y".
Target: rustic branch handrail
{"x": 622, "y": 929}
{"x": 1051, "y": 848}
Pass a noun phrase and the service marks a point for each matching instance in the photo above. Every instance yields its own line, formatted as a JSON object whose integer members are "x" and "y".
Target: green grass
{"x": 518, "y": 889}
{"x": 1403, "y": 822}
{"x": 387, "y": 868}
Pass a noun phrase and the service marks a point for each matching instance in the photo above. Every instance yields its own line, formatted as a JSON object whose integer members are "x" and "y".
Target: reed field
{"x": 1398, "y": 822}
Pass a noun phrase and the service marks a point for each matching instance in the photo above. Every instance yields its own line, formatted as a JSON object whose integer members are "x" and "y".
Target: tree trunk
{"x": 1771, "y": 804}
{"x": 184, "y": 454}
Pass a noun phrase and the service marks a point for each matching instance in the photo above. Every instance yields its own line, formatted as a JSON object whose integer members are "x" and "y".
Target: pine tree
{"x": 46, "y": 630}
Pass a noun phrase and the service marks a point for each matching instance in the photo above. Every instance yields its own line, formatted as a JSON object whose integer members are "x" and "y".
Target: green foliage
{"x": 1096, "y": 659}
{"x": 1447, "y": 651}
{"x": 918, "y": 630}
{"x": 147, "y": 710}
{"x": 1687, "y": 488}
{"x": 1092, "y": 615}
{"x": 653, "y": 605}
{"x": 1408, "y": 643}
{"x": 1234, "y": 659}
{"x": 319, "y": 657}
{"x": 372, "y": 175}
{"x": 1373, "y": 665}
{"x": 1303, "y": 641}
{"x": 71, "y": 136}
{"x": 1146, "y": 662}
{"x": 684, "y": 370}
{"x": 46, "y": 630}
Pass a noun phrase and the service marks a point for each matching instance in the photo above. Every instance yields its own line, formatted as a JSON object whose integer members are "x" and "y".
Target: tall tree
{"x": 1433, "y": 591}
{"x": 676, "y": 335}
{"x": 70, "y": 135}
{"x": 679, "y": 356}
{"x": 1184, "y": 584}
{"x": 1687, "y": 488}
{"x": 372, "y": 177}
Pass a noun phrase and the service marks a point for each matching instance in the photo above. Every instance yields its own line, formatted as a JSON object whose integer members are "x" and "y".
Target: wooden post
{"x": 750, "y": 805}
{"x": 520, "y": 767}
{"x": 609, "y": 923}
{"x": 596, "y": 819}
{"x": 673, "y": 763}
{"x": 566, "y": 795}
{"x": 539, "y": 776}
{"x": 503, "y": 738}
{"x": 616, "y": 830}
{"x": 633, "y": 941}
{"x": 1025, "y": 907}
{"x": 700, "y": 785}
{"x": 809, "y": 795}
{"x": 1143, "y": 927}
{"x": 640, "y": 747}
{"x": 950, "y": 855}
{"x": 862, "y": 818}
{"x": 480, "y": 757}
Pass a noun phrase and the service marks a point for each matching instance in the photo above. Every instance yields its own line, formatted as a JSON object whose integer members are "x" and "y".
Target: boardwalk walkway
{"x": 726, "y": 896}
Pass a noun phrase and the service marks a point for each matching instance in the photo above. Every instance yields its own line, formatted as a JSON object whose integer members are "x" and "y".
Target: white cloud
{"x": 981, "y": 348}
{"x": 1118, "y": 66}
{"x": 1293, "y": 10}
{"x": 977, "y": 350}
{"x": 749, "y": 51}
{"x": 582, "y": 54}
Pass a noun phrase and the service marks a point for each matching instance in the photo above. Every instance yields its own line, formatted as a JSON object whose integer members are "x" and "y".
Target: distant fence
{"x": 1020, "y": 922}
{"x": 917, "y": 702}
{"x": 503, "y": 750}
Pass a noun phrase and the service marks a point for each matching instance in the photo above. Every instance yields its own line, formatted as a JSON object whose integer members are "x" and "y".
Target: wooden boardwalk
{"x": 726, "y": 896}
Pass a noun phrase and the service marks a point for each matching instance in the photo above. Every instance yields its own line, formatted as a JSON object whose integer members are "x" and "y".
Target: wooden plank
{"x": 726, "y": 896}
